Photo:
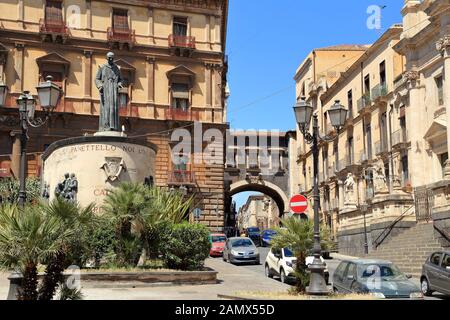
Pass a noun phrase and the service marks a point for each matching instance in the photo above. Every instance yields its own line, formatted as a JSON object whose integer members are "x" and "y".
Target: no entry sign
{"x": 298, "y": 204}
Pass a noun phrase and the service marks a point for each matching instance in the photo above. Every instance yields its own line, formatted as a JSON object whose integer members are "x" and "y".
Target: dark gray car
{"x": 240, "y": 250}
{"x": 380, "y": 278}
{"x": 436, "y": 274}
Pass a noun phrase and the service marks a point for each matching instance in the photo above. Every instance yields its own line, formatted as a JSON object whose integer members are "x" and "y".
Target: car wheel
{"x": 425, "y": 287}
{"x": 267, "y": 271}
{"x": 282, "y": 276}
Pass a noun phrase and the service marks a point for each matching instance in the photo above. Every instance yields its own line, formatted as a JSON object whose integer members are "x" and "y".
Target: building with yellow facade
{"x": 171, "y": 55}
{"x": 386, "y": 170}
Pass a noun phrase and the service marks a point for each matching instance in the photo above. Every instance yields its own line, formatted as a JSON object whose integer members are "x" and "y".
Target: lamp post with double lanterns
{"x": 49, "y": 94}
{"x": 337, "y": 115}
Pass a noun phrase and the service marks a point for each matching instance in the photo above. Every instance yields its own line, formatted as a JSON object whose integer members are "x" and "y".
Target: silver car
{"x": 436, "y": 274}
{"x": 240, "y": 250}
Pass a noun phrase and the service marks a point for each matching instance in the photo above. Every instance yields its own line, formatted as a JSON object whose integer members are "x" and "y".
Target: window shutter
{"x": 53, "y": 11}
{"x": 120, "y": 20}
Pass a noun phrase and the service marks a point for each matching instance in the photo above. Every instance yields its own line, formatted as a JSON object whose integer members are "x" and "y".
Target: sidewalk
{"x": 231, "y": 280}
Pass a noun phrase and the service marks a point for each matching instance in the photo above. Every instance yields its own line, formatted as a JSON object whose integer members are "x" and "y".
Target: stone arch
{"x": 268, "y": 188}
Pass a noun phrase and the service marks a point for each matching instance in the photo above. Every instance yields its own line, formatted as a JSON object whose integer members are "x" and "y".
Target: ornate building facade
{"x": 387, "y": 169}
{"x": 171, "y": 54}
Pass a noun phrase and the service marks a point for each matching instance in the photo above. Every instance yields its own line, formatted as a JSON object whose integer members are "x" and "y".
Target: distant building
{"x": 259, "y": 211}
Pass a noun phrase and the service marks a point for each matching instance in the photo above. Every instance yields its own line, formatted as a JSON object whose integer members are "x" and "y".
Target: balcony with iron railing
{"x": 180, "y": 41}
{"x": 364, "y": 101}
{"x": 381, "y": 147}
{"x": 121, "y": 36}
{"x": 340, "y": 165}
{"x": 181, "y": 177}
{"x": 54, "y": 28}
{"x": 349, "y": 160}
{"x": 379, "y": 91}
{"x": 182, "y": 115}
{"x": 400, "y": 139}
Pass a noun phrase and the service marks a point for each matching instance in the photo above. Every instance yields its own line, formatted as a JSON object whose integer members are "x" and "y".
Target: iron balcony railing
{"x": 399, "y": 137}
{"x": 364, "y": 101}
{"x": 54, "y": 26}
{"x": 121, "y": 35}
{"x": 181, "y": 177}
{"x": 380, "y": 147}
{"x": 380, "y": 90}
{"x": 182, "y": 41}
{"x": 182, "y": 115}
{"x": 349, "y": 160}
{"x": 340, "y": 165}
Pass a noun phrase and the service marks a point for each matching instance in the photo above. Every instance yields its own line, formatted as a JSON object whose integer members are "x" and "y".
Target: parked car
{"x": 266, "y": 237}
{"x": 436, "y": 274}
{"x": 253, "y": 233}
{"x": 240, "y": 250}
{"x": 281, "y": 262}
{"x": 217, "y": 244}
{"x": 380, "y": 278}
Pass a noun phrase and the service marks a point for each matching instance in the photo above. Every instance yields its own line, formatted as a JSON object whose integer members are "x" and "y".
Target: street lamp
{"x": 49, "y": 94}
{"x": 364, "y": 207}
{"x": 337, "y": 115}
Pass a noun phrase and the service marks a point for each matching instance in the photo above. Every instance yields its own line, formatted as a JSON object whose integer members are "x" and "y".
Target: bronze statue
{"x": 108, "y": 82}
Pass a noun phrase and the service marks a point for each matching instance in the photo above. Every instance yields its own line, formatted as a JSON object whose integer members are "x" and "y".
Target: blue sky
{"x": 268, "y": 39}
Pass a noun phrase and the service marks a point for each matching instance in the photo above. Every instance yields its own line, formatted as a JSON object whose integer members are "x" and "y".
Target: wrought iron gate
{"x": 423, "y": 200}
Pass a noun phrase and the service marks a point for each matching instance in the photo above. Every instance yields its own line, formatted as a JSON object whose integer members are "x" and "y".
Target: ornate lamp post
{"x": 49, "y": 94}
{"x": 364, "y": 207}
{"x": 337, "y": 115}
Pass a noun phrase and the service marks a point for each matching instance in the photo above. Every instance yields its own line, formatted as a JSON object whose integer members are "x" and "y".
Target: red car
{"x": 217, "y": 244}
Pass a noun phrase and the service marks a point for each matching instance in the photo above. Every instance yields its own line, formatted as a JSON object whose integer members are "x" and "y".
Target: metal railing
{"x": 383, "y": 235}
{"x": 121, "y": 35}
{"x": 349, "y": 160}
{"x": 182, "y": 115}
{"x": 182, "y": 41}
{"x": 364, "y": 101}
{"x": 380, "y": 90}
{"x": 380, "y": 147}
{"x": 399, "y": 137}
{"x": 53, "y": 26}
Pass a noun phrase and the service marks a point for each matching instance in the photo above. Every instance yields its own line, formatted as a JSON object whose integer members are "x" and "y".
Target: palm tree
{"x": 29, "y": 237}
{"x": 81, "y": 222}
{"x": 124, "y": 207}
{"x": 298, "y": 235}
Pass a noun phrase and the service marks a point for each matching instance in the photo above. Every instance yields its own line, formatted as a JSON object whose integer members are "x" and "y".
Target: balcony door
{"x": 53, "y": 12}
{"x": 180, "y": 96}
{"x": 180, "y": 26}
{"x": 120, "y": 20}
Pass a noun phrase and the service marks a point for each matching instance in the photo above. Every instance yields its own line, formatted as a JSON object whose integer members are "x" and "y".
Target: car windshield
{"x": 386, "y": 272}
{"x": 288, "y": 253}
{"x": 253, "y": 229}
{"x": 218, "y": 238}
{"x": 242, "y": 243}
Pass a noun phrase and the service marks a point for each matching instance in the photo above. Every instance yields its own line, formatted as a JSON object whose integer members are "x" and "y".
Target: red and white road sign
{"x": 298, "y": 204}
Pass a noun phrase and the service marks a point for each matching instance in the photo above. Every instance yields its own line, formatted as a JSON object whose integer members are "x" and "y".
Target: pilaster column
{"x": 443, "y": 45}
{"x": 87, "y": 91}
{"x": 415, "y": 115}
{"x": 151, "y": 79}
{"x": 151, "y": 27}
{"x": 15, "y": 153}
{"x": 208, "y": 79}
{"x": 88, "y": 17}
{"x": 340, "y": 186}
{"x": 18, "y": 66}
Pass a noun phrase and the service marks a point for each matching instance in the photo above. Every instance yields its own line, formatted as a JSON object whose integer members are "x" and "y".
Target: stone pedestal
{"x": 86, "y": 168}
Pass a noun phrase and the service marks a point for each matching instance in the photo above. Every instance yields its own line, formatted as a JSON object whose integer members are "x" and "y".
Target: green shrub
{"x": 9, "y": 190}
{"x": 186, "y": 247}
{"x": 102, "y": 242}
